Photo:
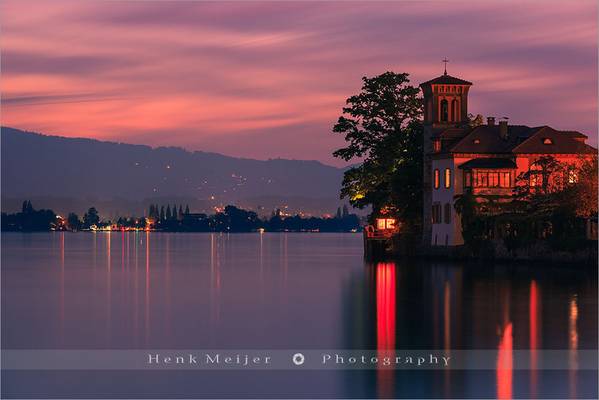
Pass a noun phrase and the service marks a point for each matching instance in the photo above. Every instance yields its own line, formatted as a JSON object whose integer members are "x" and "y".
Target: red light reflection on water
{"x": 505, "y": 364}
{"x": 385, "y": 323}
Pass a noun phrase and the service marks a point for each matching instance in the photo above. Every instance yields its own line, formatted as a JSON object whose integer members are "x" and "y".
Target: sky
{"x": 269, "y": 79}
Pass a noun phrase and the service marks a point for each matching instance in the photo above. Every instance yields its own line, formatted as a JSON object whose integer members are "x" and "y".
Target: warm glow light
{"x": 505, "y": 364}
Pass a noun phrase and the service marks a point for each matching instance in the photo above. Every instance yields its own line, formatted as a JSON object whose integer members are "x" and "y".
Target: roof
{"x": 489, "y": 163}
{"x": 550, "y": 141}
{"x": 450, "y": 133}
{"x": 575, "y": 134}
{"x": 446, "y": 80}
{"x": 486, "y": 139}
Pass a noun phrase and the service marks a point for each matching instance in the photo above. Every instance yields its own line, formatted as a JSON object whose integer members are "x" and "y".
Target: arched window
{"x": 454, "y": 110}
{"x": 447, "y": 178}
{"x": 444, "y": 110}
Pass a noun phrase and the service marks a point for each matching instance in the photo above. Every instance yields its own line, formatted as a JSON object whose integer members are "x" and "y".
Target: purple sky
{"x": 268, "y": 79}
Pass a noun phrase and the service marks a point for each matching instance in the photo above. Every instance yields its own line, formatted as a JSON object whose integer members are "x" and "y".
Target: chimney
{"x": 491, "y": 121}
{"x": 503, "y": 130}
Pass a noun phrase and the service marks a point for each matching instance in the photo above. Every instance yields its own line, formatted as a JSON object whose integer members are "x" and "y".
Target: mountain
{"x": 71, "y": 173}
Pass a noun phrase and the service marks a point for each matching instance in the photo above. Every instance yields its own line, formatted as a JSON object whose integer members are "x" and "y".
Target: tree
{"x": 74, "y": 222}
{"x": 161, "y": 215}
{"x": 91, "y": 217}
{"x": 475, "y": 120}
{"x": 168, "y": 215}
{"x": 338, "y": 213}
{"x": 383, "y": 128}
{"x": 27, "y": 208}
{"x": 345, "y": 211}
{"x": 187, "y": 209}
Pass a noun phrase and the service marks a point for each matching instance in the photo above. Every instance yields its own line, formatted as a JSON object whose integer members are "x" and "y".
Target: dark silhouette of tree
{"x": 162, "y": 215}
{"x": 345, "y": 211}
{"x": 74, "y": 222}
{"x": 91, "y": 217}
{"x": 338, "y": 213}
{"x": 186, "y": 209}
{"x": 168, "y": 212}
{"x": 29, "y": 219}
{"x": 180, "y": 214}
{"x": 383, "y": 128}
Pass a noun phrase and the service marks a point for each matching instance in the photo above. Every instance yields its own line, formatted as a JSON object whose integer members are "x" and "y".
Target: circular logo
{"x": 298, "y": 358}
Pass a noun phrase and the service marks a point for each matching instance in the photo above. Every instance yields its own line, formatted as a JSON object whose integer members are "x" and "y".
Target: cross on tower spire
{"x": 445, "y": 61}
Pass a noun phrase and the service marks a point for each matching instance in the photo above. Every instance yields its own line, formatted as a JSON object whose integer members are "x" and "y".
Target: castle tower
{"x": 445, "y": 107}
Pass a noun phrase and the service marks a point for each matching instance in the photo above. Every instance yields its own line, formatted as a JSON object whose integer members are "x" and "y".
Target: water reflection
{"x": 449, "y": 307}
{"x": 385, "y": 324}
{"x": 299, "y": 291}
{"x": 573, "y": 344}
{"x": 534, "y": 317}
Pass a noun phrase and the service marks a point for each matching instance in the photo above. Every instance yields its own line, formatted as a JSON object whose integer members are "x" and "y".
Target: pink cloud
{"x": 267, "y": 79}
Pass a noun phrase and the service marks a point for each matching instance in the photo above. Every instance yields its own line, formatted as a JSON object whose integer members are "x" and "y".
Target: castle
{"x": 484, "y": 159}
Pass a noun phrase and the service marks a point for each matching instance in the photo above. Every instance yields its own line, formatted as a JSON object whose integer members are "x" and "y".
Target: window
{"x": 468, "y": 179}
{"x": 444, "y": 110}
{"x": 436, "y": 179}
{"x": 447, "y": 178}
{"x": 481, "y": 179}
{"x": 436, "y": 213}
{"x": 547, "y": 141}
{"x": 476, "y": 141}
{"x": 437, "y": 146}
{"x": 493, "y": 179}
{"x": 454, "y": 110}
{"x": 505, "y": 179}
{"x": 488, "y": 179}
{"x": 385, "y": 223}
{"x": 572, "y": 176}
{"x": 447, "y": 213}
{"x": 536, "y": 177}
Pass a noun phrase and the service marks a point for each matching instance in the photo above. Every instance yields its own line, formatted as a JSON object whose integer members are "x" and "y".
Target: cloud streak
{"x": 268, "y": 79}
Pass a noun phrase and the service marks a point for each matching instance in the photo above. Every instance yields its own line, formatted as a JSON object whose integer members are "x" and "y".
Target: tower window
{"x": 447, "y": 178}
{"x": 437, "y": 146}
{"x": 436, "y": 179}
{"x": 444, "y": 110}
{"x": 454, "y": 110}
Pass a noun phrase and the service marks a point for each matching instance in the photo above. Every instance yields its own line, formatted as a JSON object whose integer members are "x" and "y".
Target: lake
{"x": 281, "y": 291}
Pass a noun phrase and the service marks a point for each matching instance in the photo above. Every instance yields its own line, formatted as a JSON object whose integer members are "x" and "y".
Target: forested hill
{"x": 38, "y": 166}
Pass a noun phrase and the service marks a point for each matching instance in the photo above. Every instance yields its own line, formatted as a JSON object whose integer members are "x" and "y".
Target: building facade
{"x": 484, "y": 159}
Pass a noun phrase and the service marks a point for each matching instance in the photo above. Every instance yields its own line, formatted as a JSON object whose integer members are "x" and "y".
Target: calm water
{"x": 282, "y": 291}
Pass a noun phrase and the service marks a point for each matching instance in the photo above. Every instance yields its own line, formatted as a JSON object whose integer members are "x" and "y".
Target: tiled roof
{"x": 575, "y": 134}
{"x": 490, "y": 163}
{"x": 446, "y": 80}
{"x": 549, "y": 141}
{"x": 485, "y": 139}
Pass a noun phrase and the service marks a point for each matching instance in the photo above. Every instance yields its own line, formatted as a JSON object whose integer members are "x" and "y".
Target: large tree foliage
{"x": 383, "y": 129}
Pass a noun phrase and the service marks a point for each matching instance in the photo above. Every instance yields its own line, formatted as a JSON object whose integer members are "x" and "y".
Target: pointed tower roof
{"x": 446, "y": 79}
